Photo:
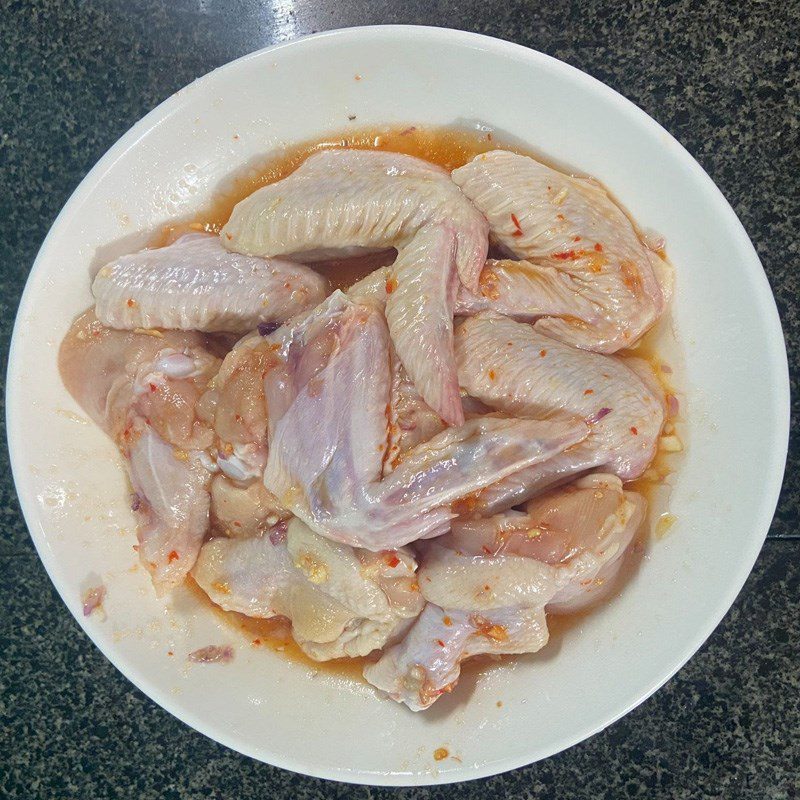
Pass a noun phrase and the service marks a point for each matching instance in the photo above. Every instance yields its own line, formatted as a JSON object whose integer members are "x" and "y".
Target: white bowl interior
{"x": 75, "y": 496}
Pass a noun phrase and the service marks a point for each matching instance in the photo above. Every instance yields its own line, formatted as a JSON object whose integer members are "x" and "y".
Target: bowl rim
{"x": 773, "y": 472}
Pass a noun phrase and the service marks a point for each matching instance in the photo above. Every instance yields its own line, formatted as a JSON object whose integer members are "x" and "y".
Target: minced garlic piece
{"x": 316, "y": 571}
{"x": 670, "y": 444}
{"x": 665, "y": 522}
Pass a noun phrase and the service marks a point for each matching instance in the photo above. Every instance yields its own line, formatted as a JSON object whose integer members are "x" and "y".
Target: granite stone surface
{"x": 723, "y": 77}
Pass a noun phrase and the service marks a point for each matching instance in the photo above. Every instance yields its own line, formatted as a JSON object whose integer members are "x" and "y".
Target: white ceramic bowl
{"x": 73, "y": 491}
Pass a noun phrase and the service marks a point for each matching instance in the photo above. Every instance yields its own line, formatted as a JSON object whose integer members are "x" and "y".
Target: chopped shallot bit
{"x": 672, "y": 405}
{"x": 603, "y": 412}
{"x": 93, "y": 599}
{"x": 277, "y": 534}
{"x": 212, "y": 654}
{"x": 266, "y": 328}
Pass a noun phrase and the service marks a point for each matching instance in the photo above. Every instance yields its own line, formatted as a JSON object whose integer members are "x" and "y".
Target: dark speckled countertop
{"x": 722, "y": 77}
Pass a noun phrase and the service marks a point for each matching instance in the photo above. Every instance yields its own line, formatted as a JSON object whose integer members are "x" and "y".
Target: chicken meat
{"x": 513, "y": 368}
{"x": 196, "y": 284}
{"x": 490, "y": 583}
{"x": 330, "y": 439}
{"x": 146, "y": 392}
{"x": 341, "y": 601}
{"x": 343, "y": 199}
{"x": 586, "y": 277}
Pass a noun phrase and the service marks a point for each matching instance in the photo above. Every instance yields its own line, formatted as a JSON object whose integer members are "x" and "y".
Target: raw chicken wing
{"x": 489, "y": 582}
{"x": 587, "y": 276}
{"x": 513, "y": 368}
{"x": 196, "y": 284}
{"x": 341, "y": 601}
{"x": 146, "y": 392}
{"x": 340, "y": 199}
{"x": 328, "y": 448}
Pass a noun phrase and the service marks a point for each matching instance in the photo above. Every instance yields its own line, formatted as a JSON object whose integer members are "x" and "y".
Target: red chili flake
{"x": 598, "y": 247}
{"x": 634, "y": 431}
{"x": 576, "y": 239}
{"x": 238, "y": 417}
{"x": 173, "y": 556}
{"x": 568, "y": 255}
{"x": 589, "y": 391}
{"x": 237, "y": 524}
{"x": 131, "y": 302}
{"x": 492, "y": 375}
{"x": 256, "y": 642}
{"x": 391, "y": 285}
{"x": 153, "y": 387}
{"x": 440, "y": 642}
{"x": 560, "y": 216}
{"x": 543, "y": 353}
{"x": 391, "y": 559}
{"x": 518, "y": 231}
{"x": 447, "y": 621}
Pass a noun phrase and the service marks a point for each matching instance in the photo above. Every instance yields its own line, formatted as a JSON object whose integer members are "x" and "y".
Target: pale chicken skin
{"x": 586, "y": 277}
{"x": 242, "y": 510}
{"x": 196, "y": 284}
{"x": 328, "y": 447}
{"x": 340, "y": 199}
{"x": 489, "y": 584}
{"x": 513, "y": 368}
{"x": 420, "y": 469}
{"x": 341, "y": 601}
{"x": 146, "y": 393}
